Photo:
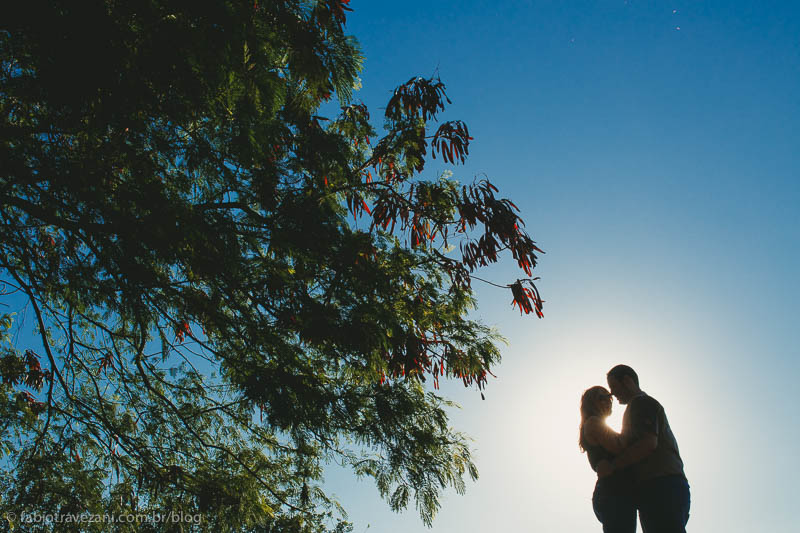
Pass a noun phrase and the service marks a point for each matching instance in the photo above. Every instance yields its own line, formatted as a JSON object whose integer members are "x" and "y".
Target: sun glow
{"x": 614, "y": 421}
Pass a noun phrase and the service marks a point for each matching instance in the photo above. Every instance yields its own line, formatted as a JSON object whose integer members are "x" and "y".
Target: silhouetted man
{"x": 661, "y": 490}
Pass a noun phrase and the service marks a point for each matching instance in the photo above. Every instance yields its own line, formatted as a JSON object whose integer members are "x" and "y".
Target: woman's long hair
{"x": 589, "y": 403}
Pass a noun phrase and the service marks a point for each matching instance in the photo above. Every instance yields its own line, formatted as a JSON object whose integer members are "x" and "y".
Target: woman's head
{"x": 596, "y": 401}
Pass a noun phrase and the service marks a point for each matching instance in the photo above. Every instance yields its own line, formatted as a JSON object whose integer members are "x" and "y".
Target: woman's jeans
{"x": 613, "y": 504}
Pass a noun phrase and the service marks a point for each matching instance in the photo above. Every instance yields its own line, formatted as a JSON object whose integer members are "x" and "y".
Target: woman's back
{"x": 596, "y": 453}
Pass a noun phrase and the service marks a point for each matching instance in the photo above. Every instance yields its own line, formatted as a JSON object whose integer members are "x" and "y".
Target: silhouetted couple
{"x": 637, "y": 469}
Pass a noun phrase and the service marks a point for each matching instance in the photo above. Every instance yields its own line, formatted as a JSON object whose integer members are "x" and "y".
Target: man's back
{"x": 645, "y": 415}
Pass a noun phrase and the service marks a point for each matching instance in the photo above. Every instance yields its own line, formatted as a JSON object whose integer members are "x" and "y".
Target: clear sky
{"x": 653, "y": 149}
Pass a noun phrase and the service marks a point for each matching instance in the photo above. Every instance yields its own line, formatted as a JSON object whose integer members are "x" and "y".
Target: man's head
{"x": 623, "y": 383}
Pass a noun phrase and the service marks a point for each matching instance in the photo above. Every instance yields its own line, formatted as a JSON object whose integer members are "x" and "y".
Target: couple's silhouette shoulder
{"x": 640, "y": 468}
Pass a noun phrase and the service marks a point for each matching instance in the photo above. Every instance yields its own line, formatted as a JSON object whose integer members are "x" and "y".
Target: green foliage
{"x": 230, "y": 291}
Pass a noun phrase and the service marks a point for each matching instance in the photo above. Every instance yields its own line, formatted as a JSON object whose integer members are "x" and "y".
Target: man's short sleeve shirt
{"x": 645, "y": 415}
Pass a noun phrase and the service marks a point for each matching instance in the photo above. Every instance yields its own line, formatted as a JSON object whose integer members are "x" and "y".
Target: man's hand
{"x": 604, "y": 468}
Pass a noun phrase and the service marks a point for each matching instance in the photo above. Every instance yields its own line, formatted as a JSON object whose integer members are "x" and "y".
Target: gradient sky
{"x": 652, "y": 147}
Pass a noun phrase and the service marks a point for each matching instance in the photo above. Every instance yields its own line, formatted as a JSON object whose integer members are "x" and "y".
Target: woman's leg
{"x": 615, "y": 510}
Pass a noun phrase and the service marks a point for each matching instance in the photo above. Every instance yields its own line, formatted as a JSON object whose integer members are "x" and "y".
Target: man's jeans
{"x": 663, "y": 504}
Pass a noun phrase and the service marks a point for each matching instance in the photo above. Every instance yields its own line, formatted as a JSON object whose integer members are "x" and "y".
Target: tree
{"x": 229, "y": 290}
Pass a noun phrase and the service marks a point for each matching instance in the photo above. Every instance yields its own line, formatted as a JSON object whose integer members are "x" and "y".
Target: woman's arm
{"x": 597, "y": 432}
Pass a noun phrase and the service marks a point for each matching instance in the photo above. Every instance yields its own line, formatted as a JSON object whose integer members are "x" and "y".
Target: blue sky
{"x": 652, "y": 147}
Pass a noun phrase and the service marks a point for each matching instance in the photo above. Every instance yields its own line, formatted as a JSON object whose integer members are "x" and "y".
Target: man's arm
{"x": 633, "y": 454}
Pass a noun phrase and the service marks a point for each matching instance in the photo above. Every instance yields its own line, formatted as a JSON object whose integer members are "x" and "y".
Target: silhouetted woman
{"x": 613, "y": 498}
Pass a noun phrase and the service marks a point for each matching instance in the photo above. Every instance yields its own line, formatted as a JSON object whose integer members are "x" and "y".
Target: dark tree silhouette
{"x": 227, "y": 289}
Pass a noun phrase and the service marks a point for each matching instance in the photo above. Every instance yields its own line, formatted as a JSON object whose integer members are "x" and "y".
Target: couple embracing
{"x": 637, "y": 469}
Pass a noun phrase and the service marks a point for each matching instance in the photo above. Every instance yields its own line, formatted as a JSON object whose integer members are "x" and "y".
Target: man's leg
{"x": 664, "y": 505}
